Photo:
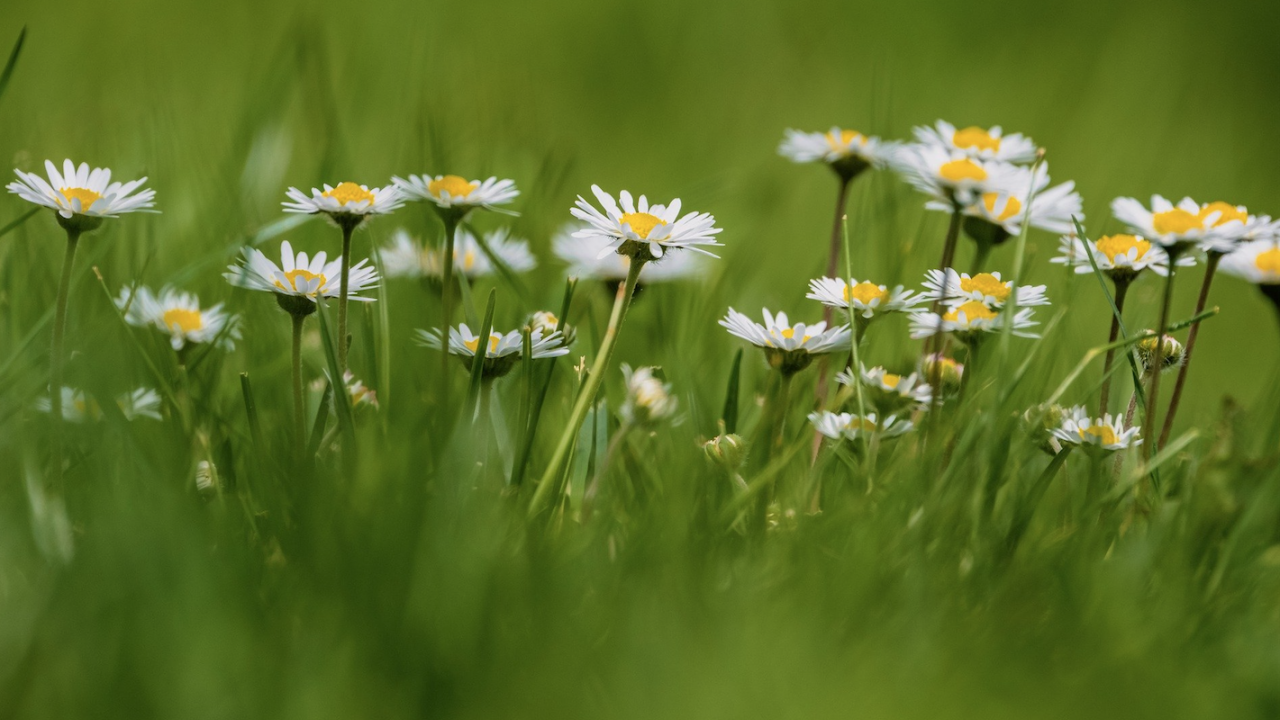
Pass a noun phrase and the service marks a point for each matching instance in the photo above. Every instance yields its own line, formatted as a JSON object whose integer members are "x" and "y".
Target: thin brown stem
{"x": 1157, "y": 362}
{"x": 1122, "y": 289}
{"x": 1211, "y": 266}
{"x": 833, "y": 259}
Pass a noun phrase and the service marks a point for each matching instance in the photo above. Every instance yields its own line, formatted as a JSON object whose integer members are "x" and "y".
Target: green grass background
{"x": 393, "y": 592}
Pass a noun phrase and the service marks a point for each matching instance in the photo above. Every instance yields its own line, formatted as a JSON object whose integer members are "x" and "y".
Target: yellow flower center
{"x": 474, "y": 343}
{"x": 987, "y": 284}
{"x": 973, "y": 310}
{"x": 469, "y": 260}
{"x": 650, "y": 393}
{"x": 865, "y": 293}
{"x": 961, "y": 170}
{"x": 976, "y": 137}
{"x": 1176, "y": 221}
{"x": 1268, "y": 261}
{"x": 1102, "y": 432}
{"x": 86, "y": 197}
{"x": 307, "y": 276}
{"x": 1012, "y": 206}
{"x": 862, "y": 424}
{"x": 641, "y": 223}
{"x": 1226, "y": 213}
{"x": 183, "y": 320}
{"x": 788, "y": 333}
{"x": 1115, "y": 245}
{"x": 452, "y": 184}
{"x": 845, "y": 139}
{"x": 348, "y": 193}
{"x": 891, "y": 381}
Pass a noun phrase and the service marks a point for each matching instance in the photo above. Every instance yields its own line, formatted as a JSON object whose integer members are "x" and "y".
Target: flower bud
{"x": 1171, "y": 355}
{"x": 728, "y": 450}
{"x": 546, "y": 321}
{"x": 648, "y": 398}
{"x": 1039, "y": 422}
{"x": 943, "y": 372}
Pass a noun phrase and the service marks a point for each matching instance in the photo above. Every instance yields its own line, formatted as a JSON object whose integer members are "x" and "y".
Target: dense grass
{"x": 411, "y": 584}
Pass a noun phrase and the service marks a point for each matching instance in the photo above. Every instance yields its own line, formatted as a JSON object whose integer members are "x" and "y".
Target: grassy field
{"x": 399, "y": 578}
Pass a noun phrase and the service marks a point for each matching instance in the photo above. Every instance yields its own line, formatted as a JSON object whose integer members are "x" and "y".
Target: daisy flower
{"x": 547, "y": 322}
{"x": 848, "y": 152}
{"x": 643, "y": 231}
{"x": 79, "y": 407}
{"x": 345, "y": 203}
{"x": 84, "y": 192}
{"x": 970, "y": 321}
{"x": 1177, "y": 227}
{"x": 954, "y": 178}
{"x": 988, "y": 144}
{"x": 867, "y": 299}
{"x": 502, "y": 350}
{"x": 986, "y": 288}
{"x": 1101, "y": 435}
{"x": 648, "y": 398}
{"x": 583, "y": 256}
{"x": 358, "y": 392}
{"x": 1234, "y": 226}
{"x": 1257, "y": 261}
{"x": 1120, "y": 257}
{"x": 788, "y": 347}
{"x": 178, "y": 315}
{"x": 457, "y": 194}
{"x": 889, "y": 392}
{"x": 940, "y": 370}
{"x": 847, "y": 426}
{"x": 298, "y": 280}
{"x": 996, "y": 216}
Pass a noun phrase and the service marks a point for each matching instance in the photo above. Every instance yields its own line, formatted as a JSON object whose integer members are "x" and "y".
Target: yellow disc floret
{"x": 1176, "y": 221}
{"x": 641, "y": 223}
{"x": 349, "y": 193}
{"x": 1104, "y": 433}
{"x": 961, "y": 170}
{"x": 976, "y": 137}
{"x": 1114, "y": 246}
{"x": 86, "y": 197}
{"x": 840, "y": 143}
{"x": 891, "y": 381}
{"x": 474, "y": 343}
{"x": 987, "y": 284}
{"x": 1226, "y": 213}
{"x": 306, "y": 275}
{"x": 972, "y": 311}
{"x": 183, "y": 320}
{"x": 456, "y": 186}
{"x": 865, "y": 293}
{"x": 1012, "y": 206}
{"x": 1268, "y": 261}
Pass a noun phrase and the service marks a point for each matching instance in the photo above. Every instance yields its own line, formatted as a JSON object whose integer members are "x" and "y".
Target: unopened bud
{"x": 1171, "y": 354}
{"x": 728, "y": 450}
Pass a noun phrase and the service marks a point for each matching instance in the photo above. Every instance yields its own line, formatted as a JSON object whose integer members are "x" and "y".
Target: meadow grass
{"x": 966, "y": 574}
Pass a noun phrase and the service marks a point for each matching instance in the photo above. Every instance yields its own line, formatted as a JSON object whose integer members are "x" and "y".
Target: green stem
{"x": 1149, "y": 421}
{"x": 1211, "y": 266}
{"x": 587, "y": 394}
{"x": 593, "y": 489}
{"x": 1122, "y": 289}
{"x": 446, "y": 304}
{"x": 55, "y": 354}
{"x": 299, "y": 408}
{"x": 980, "y": 257}
{"x": 343, "y": 341}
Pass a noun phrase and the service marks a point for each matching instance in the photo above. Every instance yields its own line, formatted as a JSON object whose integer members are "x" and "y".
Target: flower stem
{"x": 593, "y": 489}
{"x": 586, "y": 395}
{"x": 1149, "y": 421}
{"x": 55, "y": 353}
{"x": 446, "y": 304}
{"x": 833, "y": 258}
{"x": 1122, "y": 289}
{"x": 1211, "y": 266}
{"x": 343, "y": 341}
{"x": 299, "y": 409}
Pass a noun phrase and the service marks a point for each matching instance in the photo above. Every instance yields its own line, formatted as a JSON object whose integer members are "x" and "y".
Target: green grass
{"x": 408, "y": 583}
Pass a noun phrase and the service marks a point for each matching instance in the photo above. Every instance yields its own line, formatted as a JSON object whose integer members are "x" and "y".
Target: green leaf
{"x": 730, "y": 413}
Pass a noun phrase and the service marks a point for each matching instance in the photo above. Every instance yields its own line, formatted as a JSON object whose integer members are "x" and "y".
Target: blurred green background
{"x": 172, "y": 609}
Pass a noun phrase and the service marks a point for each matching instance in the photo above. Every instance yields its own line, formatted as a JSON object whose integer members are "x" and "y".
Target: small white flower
{"x": 847, "y": 426}
{"x": 300, "y": 275}
{"x": 360, "y": 394}
{"x": 347, "y": 198}
{"x": 463, "y": 342}
{"x": 953, "y": 176}
{"x": 970, "y": 321}
{"x": 81, "y": 191}
{"x": 976, "y": 142}
{"x": 1118, "y": 256}
{"x": 1180, "y": 226}
{"x": 986, "y": 288}
{"x": 178, "y": 315}
{"x": 867, "y": 298}
{"x": 406, "y": 257}
{"x": 454, "y": 191}
{"x": 634, "y": 226}
{"x": 1102, "y": 435}
{"x": 1257, "y": 261}
{"x": 789, "y": 348}
{"x": 890, "y": 391}
{"x": 837, "y": 146}
{"x": 584, "y": 258}
{"x": 1234, "y": 226}
{"x": 648, "y": 398}
{"x": 79, "y": 407}
{"x": 1052, "y": 209}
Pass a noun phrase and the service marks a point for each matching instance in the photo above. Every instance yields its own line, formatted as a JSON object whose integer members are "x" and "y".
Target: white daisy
{"x": 81, "y": 191}
{"x": 867, "y": 298}
{"x": 970, "y": 321}
{"x": 848, "y": 152}
{"x": 954, "y": 177}
{"x": 648, "y": 398}
{"x": 847, "y": 426}
{"x": 890, "y": 392}
{"x": 79, "y": 407}
{"x": 458, "y": 193}
{"x": 1257, "y": 261}
{"x": 406, "y": 257}
{"x": 346, "y": 199}
{"x": 995, "y": 216}
{"x": 986, "y": 288}
{"x": 788, "y": 347}
{"x": 502, "y": 350}
{"x": 583, "y": 256}
{"x": 1177, "y": 227}
{"x": 178, "y": 314}
{"x": 938, "y": 369}
{"x": 1234, "y": 226}
{"x": 360, "y": 394}
{"x": 643, "y": 228}
{"x": 989, "y": 144}
{"x": 1120, "y": 257}
{"x": 546, "y": 322}
{"x": 300, "y": 276}
{"x": 1101, "y": 435}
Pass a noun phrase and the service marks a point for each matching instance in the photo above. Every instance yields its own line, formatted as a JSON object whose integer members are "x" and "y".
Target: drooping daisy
{"x": 970, "y": 321}
{"x": 889, "y": 392}
{"x": 789, "y": 348}
{"x": 79, "y": 407}
{"x": 345, "y": 203}
{"x": 994, "y": 217}
{"x": 1179, "y": 227}
{"x": 584, "y": 258}
{"x": 456, "y": 194}
{"x": 1102, "y": 435}
{"x": 1120, "y": 257}
{"x": 848, "y": 426}
{"x": 649, "y": 399}
{"x": 953, "y": 178}
{"x": 986, "y": 288}
{"x": 299, "y": 279}
{"x": 1171, "y": 354}
{"x": 178, "y": 314}
{"x": 643, "y": 231}
{"x": 848, "y": 152}
{"x": 976, "y": 142}
{"x": 84, "y": 192}
{"x": 502, "y": 350}
{"x": 867, "y": 299}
